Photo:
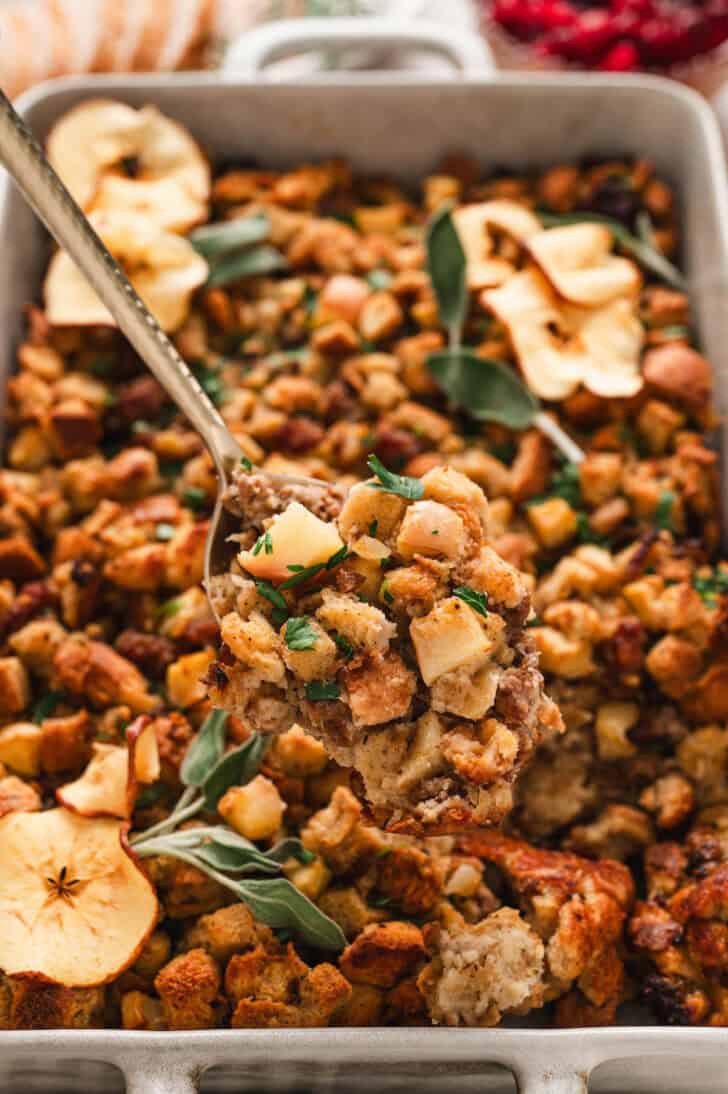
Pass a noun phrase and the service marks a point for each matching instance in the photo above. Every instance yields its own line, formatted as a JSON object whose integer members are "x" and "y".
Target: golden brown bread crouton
{"x": 65, "y": 742}
{"x": 380, "y": 688}
{"x": 14, "y": 686}
{"x": 279, "y": 990}
{"x": 95, "y": 671}
{"x": 410, "y": 879}
{"x": 189, "y": 987}
{"x": 227, "y": 931}
{"x": 338, "y": 835}
{"x": 29, "y": 1003}
{"x": 383, "y": 954}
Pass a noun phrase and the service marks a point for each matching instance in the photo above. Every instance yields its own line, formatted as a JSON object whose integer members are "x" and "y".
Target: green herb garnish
{"x": 214, "y": 240}
{"x": 379, "y": 279}
{"x": 318, "y": 690}
{"x": 45, "y": 706}
{"x": 245, "y": 463}
{"x": 385, "y": 593}
{"x": 403, "y": 485}
{"x": 164, "y": 532}
{"x": 280, "y": 608}
{"x": 194, "y": 497}
{"x": 447, "y": 264}
{"x": 299, "y": 634}
{"x": 169, "y": 608}
{"x": 475, "y": 600}
{"x": 344, "y": 645}
{"x": 299, "y": 574}
{"x": 711, "y": 586}
{"x": 338, "y": 556}
{"x": 663, "y": 512}
{"x": 264, "y": 542}
{"x": 373, "y": 527}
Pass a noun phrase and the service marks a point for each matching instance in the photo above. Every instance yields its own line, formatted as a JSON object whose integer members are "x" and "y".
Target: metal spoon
{"x": 44, "y": 191}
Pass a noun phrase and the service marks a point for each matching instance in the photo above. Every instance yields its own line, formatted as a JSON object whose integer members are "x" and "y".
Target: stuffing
{"x": 189, "y": 987}
{"x": 271, "y": 990}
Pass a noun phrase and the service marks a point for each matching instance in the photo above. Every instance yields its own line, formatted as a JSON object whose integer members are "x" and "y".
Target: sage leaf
{"x": 447, "y": 264}
{"x": 485, "y": 389}
{"x": 205, "y": 750}
{"x": 645, "y": 253}
{"x": 250, "y": 263}
{"x": 235, "y": 768}
{"x": 290, "y": 848}
{"x": 279, "y": 904}
{"x": 214, "y": 240}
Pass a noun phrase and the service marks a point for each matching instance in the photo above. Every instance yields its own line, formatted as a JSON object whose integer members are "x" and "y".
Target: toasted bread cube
{"x": 365, "y": 506}
{"x": 254, "y": 643}
{"x": 451, "y": 635}
{"x": 613, "y": 722}
{"x": 424, "y": 756}
{"x": 450, "y": 487}
{"x": 317, "y": 663}
{"x": 20, "y": 748}
{"x": 298, "y": 754}
{"x": 184, "y": 678}
{"x": 312, "y": 879}
{"x": 295, "y": 538}
{"x": 14, "y": 685}
{"x": 430, "y": 528}
{"x": 255, "y": 810}
{"x": 362, "y": 624}
{"x": 561, "y": 655}
{"x": 470, "y": 695}
{"x": 553, "y": 521}
{"x": 379, "y": 690}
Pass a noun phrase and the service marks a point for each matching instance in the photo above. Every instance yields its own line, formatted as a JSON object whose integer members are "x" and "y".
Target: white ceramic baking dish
{"x": 399, "y": 124}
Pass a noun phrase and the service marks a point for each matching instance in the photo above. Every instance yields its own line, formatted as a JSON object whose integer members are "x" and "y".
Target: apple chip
{"x": 475, "y": 225}
{"x": 109, "y": 785}
{"x": 75, "y": 909}
{"x": 578, "y": 262}
{"x": 112, "y": 157}
{"x": 163, "y": 268}
{"x": 560, "y": 346}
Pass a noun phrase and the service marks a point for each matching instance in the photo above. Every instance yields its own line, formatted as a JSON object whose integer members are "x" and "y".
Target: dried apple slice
{"x": 474, "y": 224}
{"x": 578, "y": 262}
{"x": 109, "y": 785}
{"x": 75, "y": 909}
{"x": 559, "y": 346}
{"x": 112, "y": 157}
{"x": 163, "y": 268}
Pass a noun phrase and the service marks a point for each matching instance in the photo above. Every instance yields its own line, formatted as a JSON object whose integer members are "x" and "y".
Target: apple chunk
{"x": 449, "y": 636}
{"x": 295, "y": 538}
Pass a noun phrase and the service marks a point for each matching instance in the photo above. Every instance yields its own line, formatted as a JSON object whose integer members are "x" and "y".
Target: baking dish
{"x": 402, "y": 125}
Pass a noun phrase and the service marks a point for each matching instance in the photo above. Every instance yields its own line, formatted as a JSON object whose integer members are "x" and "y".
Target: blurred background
{"x": 45, "y": 38}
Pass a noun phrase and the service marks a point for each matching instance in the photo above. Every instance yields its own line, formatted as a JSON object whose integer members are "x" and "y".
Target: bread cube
{"x": 424, "y": 756}
{"x": 366, "y": 506}
{"x": 255, "y": 810}
{"x": 295, "y": 538}
{"x": 363, "y": 625}
{"x": 470, "y": 695}
{"x": 254, "y": 643}
{"x": 14, "y": 686}
{"x": 613, "y": 722}
{"x": 317, "y": 663}
{"x": 553, "y": 521}
{"x": 451, "y": 635}
{"x": 450, "y": 487}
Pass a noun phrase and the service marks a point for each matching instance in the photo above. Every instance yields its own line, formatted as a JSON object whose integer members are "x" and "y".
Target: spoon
{"x": 39, "y": 184}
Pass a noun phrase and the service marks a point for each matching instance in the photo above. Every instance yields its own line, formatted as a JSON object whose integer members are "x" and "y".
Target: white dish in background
{"x": 400, "y": 124}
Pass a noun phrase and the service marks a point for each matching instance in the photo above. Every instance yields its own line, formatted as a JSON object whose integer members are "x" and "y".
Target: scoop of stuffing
{"x": 390, "y": 630}
{"x": 484, "y": 970}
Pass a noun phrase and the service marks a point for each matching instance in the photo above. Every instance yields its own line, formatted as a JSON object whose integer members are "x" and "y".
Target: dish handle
{"x": 251, "y": 52}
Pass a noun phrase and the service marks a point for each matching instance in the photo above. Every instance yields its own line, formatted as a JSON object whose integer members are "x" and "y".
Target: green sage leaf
{"x": 214, "y": 240}
{"x": 447, "y": 264}
{"x": 236, "y": 768}
{"x": 205, "y": 750}
{"x": 645, "y": 253}
{"x": 278, "y": 903}
{"x": 251, "y": 263}
{"x": 485, "y": 389}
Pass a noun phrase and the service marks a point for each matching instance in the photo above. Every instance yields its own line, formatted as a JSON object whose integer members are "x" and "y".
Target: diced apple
{"x": 424, "y": 756}
{"x": 430, "y": 528}
{"x": 295, "y": 538}
{"x": 450, "y": 636}
{"x": 20, "y": 748}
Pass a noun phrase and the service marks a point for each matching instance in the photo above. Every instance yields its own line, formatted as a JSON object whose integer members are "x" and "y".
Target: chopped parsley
{"x": 379, "y": 279}
{"x": 566, "y": 484}
{"x": 194, "y": 497}
{"x": 711, "y": 586}
{"x": 585, "y": 533}
{"x": 344, "y": 645}
{"x": 168, "y": 609}
{"x": 337, "y": 557}
{"x": 322, "y": 689}
{"x": 280, "y": 608}
{"x": 299, "y": 634}
{"x": 404, "y": 485}
{"x": 210, "y": 382}
{"x": 385, "y": 593}
{"x": 663, "y": 512}
{"x": 373, "y": 528}
{"x": 305, "y": 573}
{"x": 245, "y": 463}
{"x": 475, "y": 600}
{"x": 45, "y": 706}
{"x": 164, "y": 531}
{"x": 264, "y": 542}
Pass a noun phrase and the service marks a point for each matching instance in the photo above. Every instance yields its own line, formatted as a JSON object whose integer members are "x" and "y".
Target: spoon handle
{"x": 44, "y": 191}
